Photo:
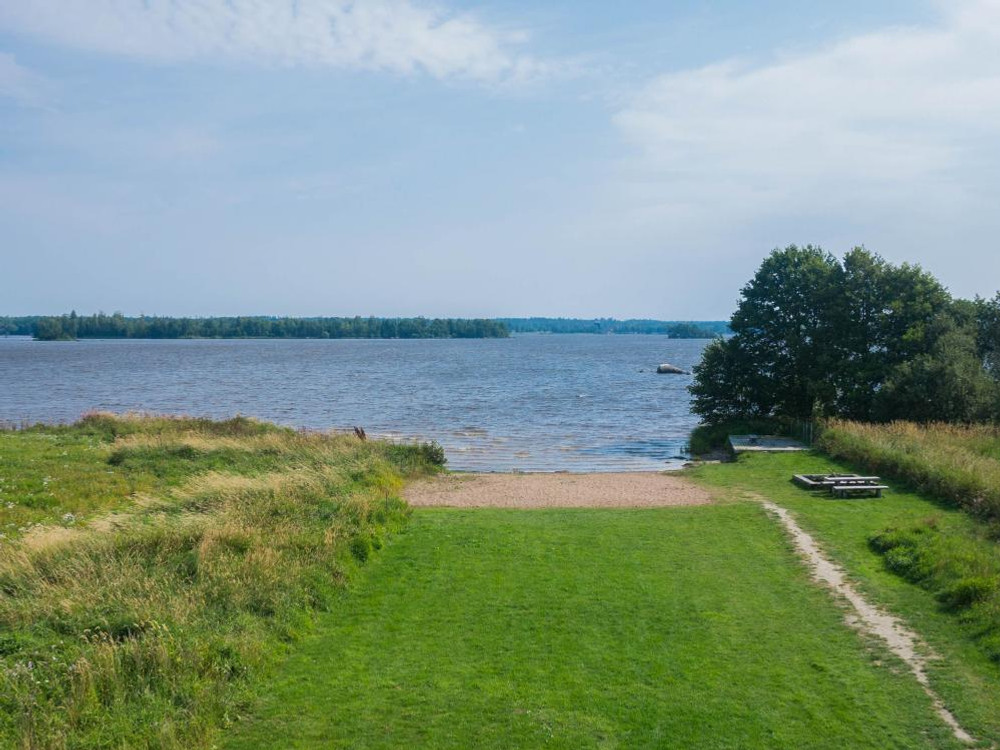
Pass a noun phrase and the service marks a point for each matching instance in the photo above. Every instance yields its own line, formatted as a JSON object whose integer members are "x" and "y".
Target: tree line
{"x": 673, "y": 329}
{"x": 73, "y": 326}
{"x": 118, "y": 326}
{"x": 858, "y": 338}
{"x": 18, "y": 326}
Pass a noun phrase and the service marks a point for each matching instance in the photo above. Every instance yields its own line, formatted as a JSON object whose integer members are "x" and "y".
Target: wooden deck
{"x": 764, "y": 444}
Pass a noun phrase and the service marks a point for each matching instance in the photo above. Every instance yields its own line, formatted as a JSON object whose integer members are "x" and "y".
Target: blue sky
{"x": 403, "y": 157}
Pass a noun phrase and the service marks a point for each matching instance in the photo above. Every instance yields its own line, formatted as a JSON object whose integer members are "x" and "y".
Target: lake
{"x": 535, "y": 402}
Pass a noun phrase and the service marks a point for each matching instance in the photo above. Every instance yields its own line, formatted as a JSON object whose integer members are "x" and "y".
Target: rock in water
{"x": 668, "y": 369}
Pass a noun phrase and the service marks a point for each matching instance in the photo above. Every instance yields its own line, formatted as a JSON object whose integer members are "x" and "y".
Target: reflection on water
{"x": 530, "y": 403}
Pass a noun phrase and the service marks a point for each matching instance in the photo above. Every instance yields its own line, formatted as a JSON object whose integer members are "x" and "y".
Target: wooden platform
{"x": 764, "y": 444}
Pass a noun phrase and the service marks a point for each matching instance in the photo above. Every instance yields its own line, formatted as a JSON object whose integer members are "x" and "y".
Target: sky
{"x": 497, "y": 158}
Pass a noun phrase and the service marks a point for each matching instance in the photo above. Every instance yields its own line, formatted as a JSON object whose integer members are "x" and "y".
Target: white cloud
{"x": 401, "y": 36}
{"x": 902, "y": 122}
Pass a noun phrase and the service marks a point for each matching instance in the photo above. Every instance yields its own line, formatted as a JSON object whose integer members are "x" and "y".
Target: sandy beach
{"x": 611, "y": 490}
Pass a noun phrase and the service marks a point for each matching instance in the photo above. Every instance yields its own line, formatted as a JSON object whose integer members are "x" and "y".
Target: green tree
{"x": 727, "y": 386}
{"x": 887, "y": 319}
{"x": 861, "y": 338}
{"x": 785, "y": 328}
{"x": 945, "y": 383}
{"x": 988, "y": 334}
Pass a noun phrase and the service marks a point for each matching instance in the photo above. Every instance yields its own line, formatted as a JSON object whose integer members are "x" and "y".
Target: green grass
{"x": 45, "y": 476}
{"x": 235, "y": 547}
{"x": 961, "y": 569}
{"x": 151, "y": 627}
{"x": 965, "y": 677}
{"x": 62, "y": 475}
{"x": 959, "y": 466}
{"x": 675, "y": 627}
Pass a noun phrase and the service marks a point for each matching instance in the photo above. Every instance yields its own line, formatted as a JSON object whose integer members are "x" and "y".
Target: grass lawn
{"x": 964, "y": 677}
{"x": 674, "y": 627}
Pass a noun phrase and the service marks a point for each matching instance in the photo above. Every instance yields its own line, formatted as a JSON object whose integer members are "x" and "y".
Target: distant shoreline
{"x": 28, "y": 337}
{"x": 71, "y": 327}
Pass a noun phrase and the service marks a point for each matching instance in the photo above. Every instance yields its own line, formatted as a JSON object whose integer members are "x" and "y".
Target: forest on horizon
{"x": 116, "y": 326}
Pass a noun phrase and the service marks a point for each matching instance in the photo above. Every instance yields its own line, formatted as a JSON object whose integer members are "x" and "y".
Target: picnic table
{"x": 841, "y": 485}
{"x": 825, "y": 481}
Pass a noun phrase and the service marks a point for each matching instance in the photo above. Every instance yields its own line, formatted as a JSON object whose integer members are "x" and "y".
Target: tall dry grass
{"x": 959, "y": 464}
{"x": 153, "y": 630}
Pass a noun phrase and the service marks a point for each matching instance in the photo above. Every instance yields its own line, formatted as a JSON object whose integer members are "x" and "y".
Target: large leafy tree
{"x": 987, "y": 313}
{"x": 946, "y": 382}
{"x": 859, "y": 338}
{"x": 785, "y": 333}
{"x": 888, "y": 318}
{"x": 726, "y": 386}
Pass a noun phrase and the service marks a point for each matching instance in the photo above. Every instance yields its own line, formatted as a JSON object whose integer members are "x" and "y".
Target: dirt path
{"x": 624, "y": 490}
{"x": 868, "y": 618}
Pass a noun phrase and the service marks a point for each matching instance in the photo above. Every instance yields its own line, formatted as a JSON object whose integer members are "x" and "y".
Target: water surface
{"x": 543, "y": 402}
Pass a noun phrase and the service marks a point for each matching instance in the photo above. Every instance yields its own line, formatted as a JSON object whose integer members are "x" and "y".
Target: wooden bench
{"x": 848, "y": 490}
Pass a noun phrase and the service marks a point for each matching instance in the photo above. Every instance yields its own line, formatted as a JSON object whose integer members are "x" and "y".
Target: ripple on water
{"x": 529, "y": 403}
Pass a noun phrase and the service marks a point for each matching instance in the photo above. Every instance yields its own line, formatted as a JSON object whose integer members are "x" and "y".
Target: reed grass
{"x": 958, "y": 464}
{"x": 152, "y": 626}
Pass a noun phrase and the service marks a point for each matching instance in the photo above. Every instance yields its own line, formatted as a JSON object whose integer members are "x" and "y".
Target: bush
{"x": 959, "y": 566}
{"x": 417, "y": 457}
{"x": 432, "y": 453}
{"x": 967, "y": 591}
{"x": 361, "y": 548}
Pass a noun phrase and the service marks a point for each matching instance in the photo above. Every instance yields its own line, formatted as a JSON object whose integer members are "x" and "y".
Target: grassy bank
{"x": 965, "y": 676}
{"x": 957, "y": 464}
{"x": 960, "y": 467}
{"x": 673, "y": 627}
{"x": 153, "y": 625}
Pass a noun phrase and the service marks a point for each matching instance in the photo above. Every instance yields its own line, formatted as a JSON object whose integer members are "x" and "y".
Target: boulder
{"x": 668, "y": 369}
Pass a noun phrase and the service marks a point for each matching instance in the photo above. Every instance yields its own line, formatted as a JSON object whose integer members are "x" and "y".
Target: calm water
{"x": 533, "y": 402}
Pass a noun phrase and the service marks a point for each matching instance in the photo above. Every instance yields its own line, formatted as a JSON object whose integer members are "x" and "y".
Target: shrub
{"x": 958, "y": 565}
{"x": 417, "y": 457}
{"x": 361, "y": 548}
{"x": 967, "y": 591}
{"x": 432, "y": 453}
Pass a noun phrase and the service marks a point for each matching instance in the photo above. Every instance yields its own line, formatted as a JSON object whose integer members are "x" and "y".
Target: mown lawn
{"x": 672, "y": 628}
{"x": 965, "y": 677}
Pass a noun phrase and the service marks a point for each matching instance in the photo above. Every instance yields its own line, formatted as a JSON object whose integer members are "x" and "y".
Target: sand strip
{"x": 622, "y": 490}
{"x": 868, "y": 618}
